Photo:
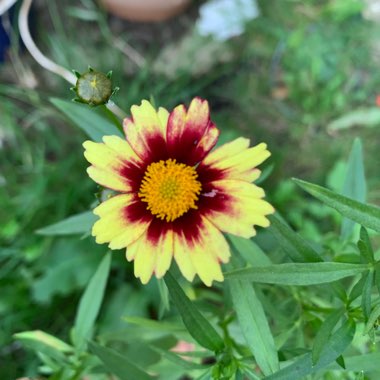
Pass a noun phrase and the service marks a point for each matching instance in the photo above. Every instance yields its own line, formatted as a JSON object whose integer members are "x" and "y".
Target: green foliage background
{"x": 304, "y": 78}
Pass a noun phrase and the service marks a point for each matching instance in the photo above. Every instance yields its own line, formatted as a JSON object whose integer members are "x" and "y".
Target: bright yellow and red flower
{"x": 177, "y": 196}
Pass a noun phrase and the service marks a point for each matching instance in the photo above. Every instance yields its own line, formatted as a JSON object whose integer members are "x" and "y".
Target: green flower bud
{"x": 93, "y": 87}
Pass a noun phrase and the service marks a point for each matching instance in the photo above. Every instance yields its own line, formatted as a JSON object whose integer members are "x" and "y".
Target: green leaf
{"x": 89, "y": 120}
{"x": 297, "y": 273}
{"x": 363, "y": 362}
{"x": 367, "y": 117}
{"x": 357, "y": 289}
{"x": 76, "y": 224}
{"x": 291, "y": 243}
{"x": 324, "y": 333}
{"x": 45, "y": 343}
{"x": 249, "y": 251}
{"x": 335, "y": 346}
{"x": 354, "y": 185}
{"x": 90, "y": 302}
{"x": 377, "y": 276}
{"x": 164, "y": 295}
{"x": 155, "y": 325}
{"x": 118, "y": 364}
{"x": 364, "y": 214}
{"x": 366, "y": 296}
{"x": 254, "y": 325}
{"x": 197, "y": 325}
{"x": 365, "y": 247}
{"x": 372, "y": 318}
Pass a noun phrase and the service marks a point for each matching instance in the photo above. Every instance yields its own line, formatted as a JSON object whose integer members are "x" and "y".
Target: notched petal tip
{"x": 209, "y": 281}
{"x": 88, "y": 144}
{"x": 199, "y": 111}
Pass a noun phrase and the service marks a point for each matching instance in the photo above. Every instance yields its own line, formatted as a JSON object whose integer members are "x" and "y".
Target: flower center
{"x": 170, "y": 189}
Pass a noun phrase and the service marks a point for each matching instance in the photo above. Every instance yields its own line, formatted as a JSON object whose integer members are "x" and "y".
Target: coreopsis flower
{"x": 177, "y": 195}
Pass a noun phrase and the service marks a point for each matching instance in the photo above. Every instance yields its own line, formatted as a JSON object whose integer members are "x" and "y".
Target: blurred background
{"x": 302, "y": 76}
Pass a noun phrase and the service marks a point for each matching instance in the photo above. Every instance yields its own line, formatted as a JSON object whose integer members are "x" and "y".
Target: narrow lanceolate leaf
{"x": 88, "y": 120}
{"x": 297, "y": 273}
{"x": 365, "y": 247}
{"x": 197, "y": 325}
{"x": 377, "y": 276}
{"x": 366, "y": 296}
{"x": 254, "y": 325}
{"x": 291, "y": 243}
{"x": 362, "y": 362}
{"x": 76, "y": 224}
{"x": 364, "y": 214}
{"x": 44, "y": 343}
{"x": 354, "y": 185}
{"x": 324, "y": 333}
{"x": 118, "y": 364}
{"x": 90, "y": 302}
{"x": 357, "y": 290}
{"x": 372, "y": 319}
{"x": 303, "y": 366}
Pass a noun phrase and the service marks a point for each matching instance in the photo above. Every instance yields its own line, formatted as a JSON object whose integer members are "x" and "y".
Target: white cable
{"x": 46, "y": 62}
{"x": 5, "y": 5}
{"x": 33, "y": 49}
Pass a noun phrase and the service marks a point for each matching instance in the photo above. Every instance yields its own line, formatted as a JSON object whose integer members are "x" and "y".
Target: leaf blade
{"x": 254, "y": 325}
{"x": 291, "y": 243}
{"x": 88, "y": 120}
{"x": 355, "y": 184}
{"x": 90, "y": 302}
{"x": 364, "y": 214}
{"x": 118, "y": 364}
{"x": 197, "y": 325}
{"x": 75, "y": 224}
{"x": 297, "y": 273}
{"x": 324, "y": 333}
{"x": 303, "y": 366}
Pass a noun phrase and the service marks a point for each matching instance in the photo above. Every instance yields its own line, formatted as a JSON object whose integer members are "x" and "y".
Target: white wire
{"x": 33, "y": 49}
{"x": 46, "y": 62}
{"x": 5, "y": 5}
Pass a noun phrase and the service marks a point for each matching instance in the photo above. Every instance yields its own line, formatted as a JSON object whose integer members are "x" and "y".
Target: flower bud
{"x": 93, "y": 87}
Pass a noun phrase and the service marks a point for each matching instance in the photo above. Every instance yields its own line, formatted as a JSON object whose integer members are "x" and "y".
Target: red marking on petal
{"x": 136, "y": 211}
{"x": 190, "y": 134}
{"x": 378, "y": 100}
{"x": 213, "y": 198}
{"x": 189, "y": 226}
{"x": 157, "y": 229}
{"x": 157, "y": 149}
{"x": 133, "y": 174}
{"x": 207, "y": 174}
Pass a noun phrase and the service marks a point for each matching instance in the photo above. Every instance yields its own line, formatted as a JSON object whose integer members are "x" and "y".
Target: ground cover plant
{"x": 299, "y": 300}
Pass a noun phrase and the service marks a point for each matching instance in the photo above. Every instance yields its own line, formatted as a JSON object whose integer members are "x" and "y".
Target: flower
{"x": 177, "y": 194}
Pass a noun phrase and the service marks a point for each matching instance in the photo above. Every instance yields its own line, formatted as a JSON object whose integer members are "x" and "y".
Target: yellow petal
{"x": 202, "y": 255}
{"x": 190, "y": 133}
{"x": 108, "y": 160}
{"x": 146, "y": 126}
{"x": 151, "y": 255}
{"x": 244, "y": 208}
{"x": 144, "y": 260}
{"x": 116, "y": 225}
{"x": 236, "y": 160}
